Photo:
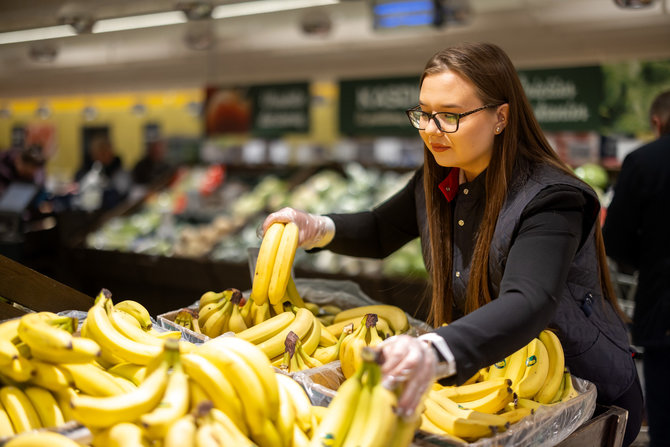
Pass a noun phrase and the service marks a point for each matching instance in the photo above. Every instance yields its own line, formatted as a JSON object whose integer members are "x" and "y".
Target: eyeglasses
{"x": 446, "y": 122}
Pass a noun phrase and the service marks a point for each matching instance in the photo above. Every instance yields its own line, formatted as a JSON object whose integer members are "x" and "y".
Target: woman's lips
{"x": 439, "y": 148}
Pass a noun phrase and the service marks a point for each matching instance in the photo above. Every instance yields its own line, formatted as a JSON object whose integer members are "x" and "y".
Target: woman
{"x": 509, "y": 236}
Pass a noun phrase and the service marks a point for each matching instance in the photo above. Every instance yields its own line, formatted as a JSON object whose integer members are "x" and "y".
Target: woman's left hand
{"x": 411, "y": 364}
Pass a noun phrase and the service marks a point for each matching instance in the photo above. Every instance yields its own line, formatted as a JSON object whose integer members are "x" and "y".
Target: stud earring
{"x": 497, "y": 129}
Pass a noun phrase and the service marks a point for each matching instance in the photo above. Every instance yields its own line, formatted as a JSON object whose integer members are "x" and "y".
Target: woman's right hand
{"x": 315, "y": 230}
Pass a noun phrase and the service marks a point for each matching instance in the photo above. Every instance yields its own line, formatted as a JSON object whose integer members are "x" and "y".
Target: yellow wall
{"x": 168, "y": 109}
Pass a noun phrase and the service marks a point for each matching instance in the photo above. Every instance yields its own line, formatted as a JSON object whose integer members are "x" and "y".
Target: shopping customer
{"x": 635, "y": 234}
{"x": 509, "y": 237}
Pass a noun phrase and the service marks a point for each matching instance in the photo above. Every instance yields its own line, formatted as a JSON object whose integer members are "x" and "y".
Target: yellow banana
{"x": 309, "y": 361}
{"x": 527, "y": 403}
{"x": 335, "y": 425}
{"x": 261, "y": 312}
{"x": 286, "y": 417}
{"x": 134, "y": 373}
{"x": 474, "y": 391}
{"x": 19, "y": 370}
{"x": 126, "y": 434}
{"x": 210, "y": 297}
{"x": 299, "y": 399}
{"x": 217, "y": 386}
{"x": 395, "y": 316}
{"x": 172, "y": 406}
{"x": 133, "y": 332}
{"x": 137, "y": 311}
{"x": 6, "y": 428}
{"x": 405, "y": 429}
{"x": 100, "y": 328}
{"x": 556, "y": 366}
{"x": 9, "y": 329}
{"x": 83, "y": 350}
{"x": 336, "y": 328}
{"x": 217, "y": 323}
{"x": 92, "y": 380}
{"x": 256, "y": 361}
{"x": 233, "y": 432}
{"x": 181, "y": 433}
{"x": 460, "y": 427}
{"x": 107, "y": 411}
{"x": 498, "y": 369}
{"x": 281, "y": 270}
{"x": 302, "y": 323}
{"x": 516, "y": 367}
{"x": 515, "y": 415}
{"x": 8, "y": 352}
{"x": 207, "y": 311}
{"x": 265, "y": 262}
{"x": 299, "y": 438}
{"x": 293, "y": 294}
{"x": 559, "y": 392}
{"x": 381, "y": 421}
{"x": 311, "y": 339}
{"x": 350, "y": 353}
{"x": 493, "y": 402}
{"x": 46, "y": 406}
{"x": 236, "y": 322}
{"x": 21, "y": 412}
{"x": 39, "y": 329}
{"x": 569, "y": 390}
{"x": 537, "y": 368}
{"x": 330, "y": 353}
{"x": 362, "y": 410}
{"x": 267, "y": 329}
{"x": 41, "y": 439}
{"x": 460, "y": 411}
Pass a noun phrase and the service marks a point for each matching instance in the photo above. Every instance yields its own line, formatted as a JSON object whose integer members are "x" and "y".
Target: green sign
{"x": 377, "y": 106}
{"x": 280, "y": 109}
{"x": 565, "y": 98}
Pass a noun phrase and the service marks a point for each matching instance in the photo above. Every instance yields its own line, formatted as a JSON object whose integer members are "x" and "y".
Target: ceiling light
{"x": 264, "y": 6}
{"x": 29, "y": 35}
{"x": 141, "y": 21}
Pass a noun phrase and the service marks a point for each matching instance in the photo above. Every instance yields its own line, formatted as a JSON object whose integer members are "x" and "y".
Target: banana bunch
{"x": 361, "y": 413}
{"x": 501, "y": 394}
{"x": 352, "y": 344}
{"x": 274, "y": 263}
{"x": 394, "y": 319}
{"x": 188, "y": 318}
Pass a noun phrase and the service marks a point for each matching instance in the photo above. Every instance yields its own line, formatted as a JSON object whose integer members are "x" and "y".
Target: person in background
{"x": 510, "y": 237}
{"x": 636, "y": 235}
{"x": 106, "y": 167}
{"x": 101, "y": 151}
{"x": 153, "y": 165}
{"x": 24, "y": 164}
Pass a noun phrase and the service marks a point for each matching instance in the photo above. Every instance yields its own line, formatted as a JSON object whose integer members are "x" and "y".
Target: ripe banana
{"x": 210, "y": 297}
{"x": 395, "y": 316}
{"x": 19, "y": 408}
{"x": 274, "y": 346}
{"x": 267, "y": 329}
{"x": 362, "y": 410}
{"x": 333, "y": 428}
{"x": 126, "y": 434}
{"x": 381, "y": 422}
{"x": 92, "y": 380}
{"x": 132, "y": 331}
{"x": 261, "y": 312}
{"x": 181, "y": 433}
{"x": 8, "y": 352}
{"x": 42, "y": 329}
{"x": 41, "y": 439}
{"x": 257, "y": 362}
{"x": 350, "y": 352}
{"x": 100, "y": 328}
{"x": 107, "y": 411}
{"x": 473, "y": 391}
{"x": 300, "y": 439}
{"x": 217, "y": 323}
{"x": 173, "y": 405}
{"x": 498, "y": 369}
{"x": 330, "y": 353}
{"x": 516, "y": 367}
{"x": 569, "y": 390}
{"x": 336, "y": 328}
{"x": 493, "y": 402}
{"x": 233, "y": 432}
{"x": 537, "y": 368}
{"x": 46, "y": 406}
{"x": 19, "y": 370}
{"x": 281, "y": 270}
{"x": 311, "y": 339}
{"x": 136, "y": 310}
{"x": 515, "y": 415}
{"x": 134, "y": 373}
{"x": 466, "y": 429}
{"x": 286, "y": 417}
{"x": 236, "y": 322}
{"x": 188, "y": 319}
{"x": 83, "y": 350}
{"x": 556, "y": 366}
{"x": 293, "y": 294}
{"x": 217, "y": 386}
{"x": 265, "y": 263}
{"x": 206, "y": 311}
{"x": 460, "y": 411}
{"x": 300, "y": 400}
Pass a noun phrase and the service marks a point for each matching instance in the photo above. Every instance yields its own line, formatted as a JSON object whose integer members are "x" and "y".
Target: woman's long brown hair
{"x": 496, "y": 82}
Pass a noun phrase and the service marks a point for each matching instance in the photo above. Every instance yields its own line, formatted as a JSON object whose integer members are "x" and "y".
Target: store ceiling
{"x": 273, "y": 47}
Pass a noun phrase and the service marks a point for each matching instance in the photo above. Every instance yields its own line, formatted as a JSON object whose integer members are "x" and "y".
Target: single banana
{"x": 52, "y": 377}
{"x": 136, "y": 310}
{"x": 233, "y": 432}
{"x": 281, "y": 270}
{"x": 134, "y": 373}
{"x": 256, "y": 361}
{"x": 493, "y": 402}
{"x": 327, "y": 339}
{"x": 466, "y": 429}
{"x": 84, "y": 350}
{"x": 556, "y": 367}
{"x": 395, "y": 316}
{"x": 173, "y": 405}
{"x": 46, "y": 406}
{"x": 350, "y": 357}
{"x": 267, "y": 329}
{"x": 133, "y": 332}
{"x": 107, "y": 411}
{"x": 217, "y": 386}
{"x": 217, "y": 322}
{"x": 515, "y": 415}
{"x": 405, "y": 430}
{"x": 19, "y": 370}
{"x": 245, "y": 311}
{"x": 516, "y": 367}
{"x": 265, "y": 262}
{"x": 236, "y": 321}
{"x": 460, "y": 411}
{"x": 208, "y": 310}
{"x": 6, "y": 428}
{"x": 127, "y": 317}
{"x": 274, "y": 346}
{"x": 527, "y": 403}
{"x": 21, "y": 412}
{"x": 42, "y": 329}
{"x": 362, "y": 410}
{"x": 100, "y": 328}
{"x": 261, "y": 312}
{"x": 93, "y": 380}
{"x": 474, "y": 391}
{"x": 311, "y": 339}
{"x": 41, "y": 439}
{"x": 181, "y": 433}
{"x": 330, "y": 353}
{"x": 8, "y": 352}
{"x": 498, "y": 369}
{"x": 301, "y": 403}
{"x": 210, "y": 297}
{"x": 537, "y": 368}
{"x": 126, "y": 434}
{"x": 285, "y": 417}
{"x": 559, "y": 392}
{"x": 569, "y": 390}
{"x": 293, "y": 294}
{"x": 9, "y": 329}
{"x": 299, "y": 438}
{"x": 335, "y": 425}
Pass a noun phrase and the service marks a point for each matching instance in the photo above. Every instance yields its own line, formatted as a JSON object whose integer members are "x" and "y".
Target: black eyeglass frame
{"x": 431, "y": 116}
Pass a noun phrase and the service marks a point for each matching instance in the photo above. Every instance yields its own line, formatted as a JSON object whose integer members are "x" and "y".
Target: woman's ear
{"x": 502, "y": 113}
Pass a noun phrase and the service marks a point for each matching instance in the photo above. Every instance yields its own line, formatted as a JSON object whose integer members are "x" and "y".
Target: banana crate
{"x": 166, "y": 321}
{"x": 548, "y": 426}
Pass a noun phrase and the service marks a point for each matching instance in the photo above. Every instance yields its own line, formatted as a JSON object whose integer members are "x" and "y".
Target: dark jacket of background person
{"x": 21, "y": 165}
{"x": 153, "y": 165}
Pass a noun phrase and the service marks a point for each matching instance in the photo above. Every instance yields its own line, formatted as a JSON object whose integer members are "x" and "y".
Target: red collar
{"x": 449, "y": 186}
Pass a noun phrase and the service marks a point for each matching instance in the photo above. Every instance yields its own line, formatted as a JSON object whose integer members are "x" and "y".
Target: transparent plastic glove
{"x": 411, "y": 365}
{"x": 315, "y": 231}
